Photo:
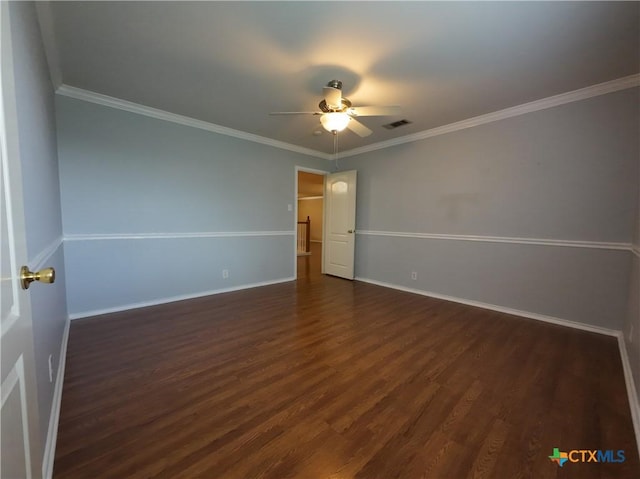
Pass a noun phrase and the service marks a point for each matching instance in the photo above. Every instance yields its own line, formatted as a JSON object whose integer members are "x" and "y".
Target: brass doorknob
{"x": 47, "y": 275}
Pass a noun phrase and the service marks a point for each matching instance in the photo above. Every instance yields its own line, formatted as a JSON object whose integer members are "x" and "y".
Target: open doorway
{"x": 310, "y": 222}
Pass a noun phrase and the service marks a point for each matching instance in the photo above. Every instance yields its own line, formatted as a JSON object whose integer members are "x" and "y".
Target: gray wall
{"x": 37, "y": 136}
{"x": 198, "y": 202}
{"x": 632, "y": 338}
{"x": 631, "y": 328}
{"x": 566, "y": 173}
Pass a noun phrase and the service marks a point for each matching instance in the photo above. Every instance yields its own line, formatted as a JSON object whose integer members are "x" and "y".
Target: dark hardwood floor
{"x": 326, "y": 378}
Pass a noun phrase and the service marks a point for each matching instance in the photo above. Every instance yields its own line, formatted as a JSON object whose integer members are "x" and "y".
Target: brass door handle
{"x": 47, "y": 275}
{"x": 350, "y": 231}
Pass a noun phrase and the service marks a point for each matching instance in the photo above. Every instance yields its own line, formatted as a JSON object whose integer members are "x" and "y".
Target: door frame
{"x": 295, "y": 215}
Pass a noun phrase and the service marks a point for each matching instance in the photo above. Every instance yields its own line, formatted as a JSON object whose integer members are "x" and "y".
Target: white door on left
{"x": 20, "y": 450}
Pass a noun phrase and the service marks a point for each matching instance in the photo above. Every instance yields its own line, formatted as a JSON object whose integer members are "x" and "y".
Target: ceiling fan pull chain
{"x": 335, "y": 148}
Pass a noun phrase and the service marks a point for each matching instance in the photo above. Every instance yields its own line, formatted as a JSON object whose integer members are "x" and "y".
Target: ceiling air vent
{"x": 396, "y": 124}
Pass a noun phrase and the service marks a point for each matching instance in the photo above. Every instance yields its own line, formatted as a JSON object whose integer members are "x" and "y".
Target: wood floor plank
{"x": 326, "y": 378}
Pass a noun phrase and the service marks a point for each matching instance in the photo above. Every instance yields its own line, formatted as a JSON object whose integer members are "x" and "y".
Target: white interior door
{"x": 19, "y": 440}
{"x": 340, "y": 224}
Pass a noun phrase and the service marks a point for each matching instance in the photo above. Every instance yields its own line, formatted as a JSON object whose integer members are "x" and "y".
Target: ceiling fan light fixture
{"x": 335, "y": 121}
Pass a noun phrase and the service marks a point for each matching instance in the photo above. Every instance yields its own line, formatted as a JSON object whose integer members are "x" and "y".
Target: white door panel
{"x": 19, "y": 439}
{"x": 340, "y": 223}
{"x": 16, "y": 460}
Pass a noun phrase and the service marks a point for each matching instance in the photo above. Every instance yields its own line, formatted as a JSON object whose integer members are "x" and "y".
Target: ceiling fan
{"x": 337, "y": 113}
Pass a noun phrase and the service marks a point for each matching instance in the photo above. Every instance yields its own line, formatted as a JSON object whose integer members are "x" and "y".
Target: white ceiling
{"x": 231, "y": 63}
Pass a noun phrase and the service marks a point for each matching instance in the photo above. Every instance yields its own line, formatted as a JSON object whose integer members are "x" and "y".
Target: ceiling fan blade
{"x": 358, "y": 128}
{"x": 376, "y": 110}
{"x": 333, "y": 96}
{"x": 295, "y": 113}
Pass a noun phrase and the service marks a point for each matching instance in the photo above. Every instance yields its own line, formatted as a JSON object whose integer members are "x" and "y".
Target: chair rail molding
{"x": 196, "y": 234}
{"x": 502, "y": 239}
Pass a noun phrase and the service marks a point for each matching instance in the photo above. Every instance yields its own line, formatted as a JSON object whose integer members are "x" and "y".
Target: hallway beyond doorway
{"x": 311, "y": 265}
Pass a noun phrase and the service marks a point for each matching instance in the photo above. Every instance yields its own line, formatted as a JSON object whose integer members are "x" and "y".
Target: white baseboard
{"x": 155, "y": 302}
{"x": 632, "y": 391}
{"x": 634, "y": 404}
{"x": 631, "y": 387}
{"x": 54, "y": 417}
{"x": 501, "y": 309}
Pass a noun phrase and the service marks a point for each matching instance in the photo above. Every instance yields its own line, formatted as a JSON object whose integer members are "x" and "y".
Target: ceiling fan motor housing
{"x": 346, "y": 104}
{"x": 336, "y": 112}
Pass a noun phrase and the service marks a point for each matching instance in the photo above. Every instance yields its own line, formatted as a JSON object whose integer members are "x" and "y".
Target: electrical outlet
{"x": 414, "y": 275}
{"x": 50, "y": 368}
{"x": 631, "y": 333}
{"x": 225, "y": 274}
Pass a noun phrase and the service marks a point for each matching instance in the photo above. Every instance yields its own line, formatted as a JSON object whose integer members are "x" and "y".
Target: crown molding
{"x": 623, "y": 83}
{"x": 112, "y": 102}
